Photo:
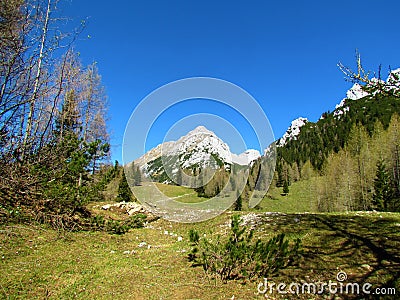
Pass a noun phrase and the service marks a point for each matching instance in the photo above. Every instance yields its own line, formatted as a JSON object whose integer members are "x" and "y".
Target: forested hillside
{"x": 331, "y": 133}
{"x": 350, "y": 157}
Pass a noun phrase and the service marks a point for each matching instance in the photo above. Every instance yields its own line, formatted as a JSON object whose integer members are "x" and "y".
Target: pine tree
{"x": 138, "y": 176}
{"x": 124, "y": 191}
{"x": 232, "y": 182}
{"x": 179, "y": 177}
{"x": 279, "y": 172}
{"x": 285, "y": 187}
{"x": 238, "y": 202}
{"x": 116, "y": 168}
{"x": 382, "y": 186}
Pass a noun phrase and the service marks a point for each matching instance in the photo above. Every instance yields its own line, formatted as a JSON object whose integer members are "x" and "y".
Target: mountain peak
{"x": 357, "y": 91}
{"x": 198, "y": 149}
{"x": 293, "y": 131}
{"x": 200, "y": 129}
{"x": 246, "y": 157}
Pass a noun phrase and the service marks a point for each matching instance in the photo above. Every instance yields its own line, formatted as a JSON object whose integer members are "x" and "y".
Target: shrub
{"x": 117, "y": 226}
{"x": 239, "y": 256}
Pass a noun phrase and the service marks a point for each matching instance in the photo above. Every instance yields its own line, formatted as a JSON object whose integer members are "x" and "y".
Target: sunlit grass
{"x": 298, "y": 200}
{"x": 40, "y": 263}
{"x": 178, "y": 193}
{"x": 174, "y": 190}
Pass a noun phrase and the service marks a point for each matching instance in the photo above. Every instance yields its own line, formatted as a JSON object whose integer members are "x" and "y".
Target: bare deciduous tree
{"x": 373, "y": 84}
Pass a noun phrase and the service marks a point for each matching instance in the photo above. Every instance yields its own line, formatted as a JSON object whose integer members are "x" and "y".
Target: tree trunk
{"x": 34, "y": 97}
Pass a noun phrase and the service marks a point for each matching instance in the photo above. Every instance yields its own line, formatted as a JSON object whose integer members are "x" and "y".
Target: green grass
{"x": 174, "y": 190}
{"x": 178, "y": 193}
{"x": 298, "y": 199}
{"x": 40, "y": 263}
{"x": 192, "y": 198}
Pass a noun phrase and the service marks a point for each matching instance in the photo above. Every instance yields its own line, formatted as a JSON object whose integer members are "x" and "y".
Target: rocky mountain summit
{"x": 198, "y": 149}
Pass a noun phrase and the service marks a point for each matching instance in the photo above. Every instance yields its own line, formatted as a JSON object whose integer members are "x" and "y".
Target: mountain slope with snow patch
{"x": 199, "y": 149}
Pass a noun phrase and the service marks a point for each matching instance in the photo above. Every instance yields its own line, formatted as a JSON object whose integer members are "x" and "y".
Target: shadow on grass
{"x": 365, "y": 246}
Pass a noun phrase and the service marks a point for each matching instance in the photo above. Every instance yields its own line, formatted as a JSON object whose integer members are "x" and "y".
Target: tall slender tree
{"x": 138, "y": 176}
{"x": 238, "y": 202}
{"x": 285, "y": 187}
{"x": 124, "y": 191}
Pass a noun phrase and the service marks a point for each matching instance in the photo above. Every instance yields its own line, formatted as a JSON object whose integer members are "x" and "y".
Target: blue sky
{"x": 283, "y": 53}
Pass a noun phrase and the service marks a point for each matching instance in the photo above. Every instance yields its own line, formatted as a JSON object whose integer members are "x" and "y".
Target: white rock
{"x": 142, "y": 244}
{"x": 134, "y": 210}
{"x": 293, "y": 131}
{"x": 356, "y": 92}
{"x": 106, "y": 207}
{"x": 246, "y": 157}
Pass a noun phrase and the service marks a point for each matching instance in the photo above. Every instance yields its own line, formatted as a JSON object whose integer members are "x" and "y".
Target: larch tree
{"x": 371, "y": 81}
{"x": 48, "y": 144}
{"x": 358, "y": 147}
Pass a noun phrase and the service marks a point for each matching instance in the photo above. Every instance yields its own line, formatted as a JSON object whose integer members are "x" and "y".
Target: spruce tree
{"x": 279, "y": 172}
{"x": 179, "y": 177}
{"x": 382, "y": 186}
{"x": 285, "y": 187}
{"x": 138, "y": 176}
{"x": 232, "y": 181}
{"x": 238, "y": 202}
{"x": 124, "y": 191}
{"x": 116, "y": 168}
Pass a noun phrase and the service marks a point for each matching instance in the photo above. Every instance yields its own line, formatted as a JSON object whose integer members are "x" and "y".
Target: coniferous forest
{"x": 350, "y": 160}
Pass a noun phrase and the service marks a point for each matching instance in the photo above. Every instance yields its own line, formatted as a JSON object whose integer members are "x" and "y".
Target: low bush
{"x": 240, "y": 255}
{"x": 117, "y": 226}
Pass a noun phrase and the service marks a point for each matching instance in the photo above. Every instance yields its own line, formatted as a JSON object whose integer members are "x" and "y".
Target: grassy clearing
{"x": 39, "y": 263}
{"x": 174, "y": 190}
{"x": 178, "y": 193}
{"x": 191, "y": 198}
{"x": 298, "y": 199}
{"x": 36, "y": 263}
